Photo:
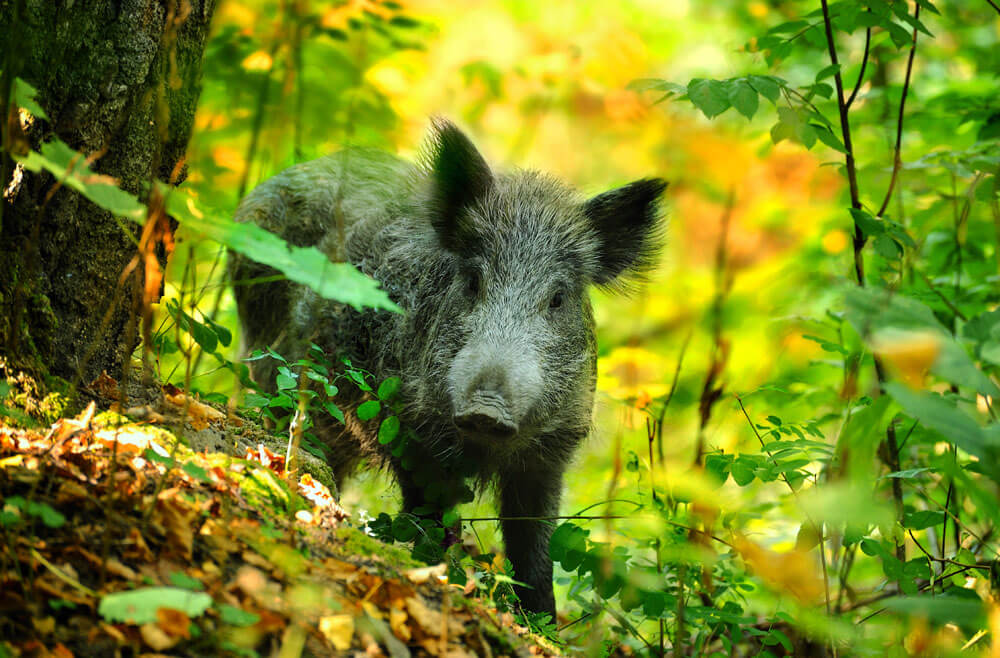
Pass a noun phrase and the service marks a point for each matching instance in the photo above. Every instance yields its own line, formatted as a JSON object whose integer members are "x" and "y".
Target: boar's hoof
{"x": 486, "y": 416}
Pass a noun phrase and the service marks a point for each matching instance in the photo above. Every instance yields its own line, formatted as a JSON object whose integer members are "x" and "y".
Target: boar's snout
{"x": 492, "y": 390}
{"x": 487, "y": 415}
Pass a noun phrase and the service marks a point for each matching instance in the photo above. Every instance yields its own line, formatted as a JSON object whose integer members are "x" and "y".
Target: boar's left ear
{"x": 628, "y": 226}
{"x": 459, "y": 177}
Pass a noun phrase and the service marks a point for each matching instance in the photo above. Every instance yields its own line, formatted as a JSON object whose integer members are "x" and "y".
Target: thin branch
{"x": 864, "y": 65}
{"x": 984, "y": 567}
{"x": 845, "y": 129}
{"x": 947, "y": 302}
{"x": 670, "y": 396}
{"x": 994, "y": 5}
{"x": 897, "y": 161}
{"x": 889, "y": 595}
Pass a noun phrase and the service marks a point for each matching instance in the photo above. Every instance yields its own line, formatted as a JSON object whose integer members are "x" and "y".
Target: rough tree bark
{"x": 118, "y": 79}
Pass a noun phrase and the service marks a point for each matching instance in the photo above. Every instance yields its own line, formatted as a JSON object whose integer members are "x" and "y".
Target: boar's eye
{"x": 557, "y": 300}
{"x": 473, "y": 283}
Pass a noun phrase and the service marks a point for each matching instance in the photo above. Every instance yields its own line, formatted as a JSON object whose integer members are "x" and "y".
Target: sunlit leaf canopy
{"x": 757, "y": 280}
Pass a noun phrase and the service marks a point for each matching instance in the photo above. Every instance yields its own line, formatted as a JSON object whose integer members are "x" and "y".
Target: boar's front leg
{"x": 533, "y": 494}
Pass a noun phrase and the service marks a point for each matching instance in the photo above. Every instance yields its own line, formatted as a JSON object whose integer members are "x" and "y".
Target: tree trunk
{"x": 119, "y": 81}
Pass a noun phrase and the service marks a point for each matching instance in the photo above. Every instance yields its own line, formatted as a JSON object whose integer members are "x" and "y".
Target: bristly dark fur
{"x": 627, "y": 220}
{"x": 460, "y": 177}
{"x": 492, "y": 270}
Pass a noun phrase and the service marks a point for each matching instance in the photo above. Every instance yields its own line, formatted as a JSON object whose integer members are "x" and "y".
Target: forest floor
{"x": 118, "y": 536}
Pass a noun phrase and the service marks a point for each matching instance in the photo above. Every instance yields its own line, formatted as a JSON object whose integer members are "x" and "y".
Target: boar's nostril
{"x": 486, "y": 418}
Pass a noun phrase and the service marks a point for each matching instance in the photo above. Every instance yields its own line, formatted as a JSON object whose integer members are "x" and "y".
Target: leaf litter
{"x": 117, "y": 537}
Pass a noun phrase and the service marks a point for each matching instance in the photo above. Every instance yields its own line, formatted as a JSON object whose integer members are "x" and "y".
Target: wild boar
{"x": 495, "y": 349}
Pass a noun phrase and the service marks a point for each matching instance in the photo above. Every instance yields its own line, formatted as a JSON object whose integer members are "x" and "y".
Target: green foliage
{"x": 140, "y": 606}
{"x": 306, "y": 265}
{"x": 900, "y": 416}
{"x": 16, "y": 508}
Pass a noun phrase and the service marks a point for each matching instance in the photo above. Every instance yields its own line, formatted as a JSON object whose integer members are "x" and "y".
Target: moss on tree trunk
{"x": 118, "y": 79}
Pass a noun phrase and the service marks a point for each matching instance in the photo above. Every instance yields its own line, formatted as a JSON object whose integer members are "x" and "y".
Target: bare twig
{"x": 930, "y": 556}
{"x": 845, "y": 129}
{"x": 712, "y": 389}
{"x": 947, "y": 302}
{"x": 670, "y": 395}
{"x": 897, "y": 161}
{"x": 861, "y": 73}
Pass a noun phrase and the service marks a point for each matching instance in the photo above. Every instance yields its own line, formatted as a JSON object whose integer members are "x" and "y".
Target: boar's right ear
{"x": 459, "y": 177}
{"x": 627, "y": 221}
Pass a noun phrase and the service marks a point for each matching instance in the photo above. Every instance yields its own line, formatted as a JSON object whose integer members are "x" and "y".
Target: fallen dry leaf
{"x": 106, "y": 386}
{"x": 176, "y": 516}
{"x": 155, "y": 637}
{"x": 424, "y": 574}
{"x": 173, "y": 622}
{"x": 338, "y": 629}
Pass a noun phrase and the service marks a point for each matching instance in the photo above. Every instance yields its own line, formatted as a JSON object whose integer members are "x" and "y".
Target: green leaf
{"x": 653, "y": 84}
{"x": 568, "y": 546}
{"x": 709, "y": 96}
{"x": 404, "y": 528}
{"x": 222, "y": 333}
{"x": 859, "y": 440}
{"x": 743, "y": 97}
{"x": 872, "y": 548}
{"x": 369, "y": 409}
{"x": 203, "y": 335}
{"x": 827, "y": 72}
{"x": 742, "y": 471}
{"x": 388, "y": 389}
{"x": 872, "y": 310}
{"x": 936, "y": 413}
{"x": 827, "y": 136}
{"x": 285, "y": 382}
{"x": 234, "y": 616}
{"x": 388, "y": 430}
{"x": 195, "y": 471}
{"x": 766, "y": 86}
{"x": 450, "y": 518}
{"x": 334, "y": 411}
{"x": 941, "y": 609}
{"x": 404, "y": 21}
{"x": 781, "y": 131}
{"x": 922, "y": 519}
{"x": 899, "y": 35}
{"x": 718, "y": 465}
{"x": 306, "y": 265}
{"x": 184, "y": 581}
{"x": 72, "y": 170}
{"x": 869, "y": 225}
{"x": 910, "y": 473}
{"x": 139, "y": 606}
{"x": 26, "y": 96}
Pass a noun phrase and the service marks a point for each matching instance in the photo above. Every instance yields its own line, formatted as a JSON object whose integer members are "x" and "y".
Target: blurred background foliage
{"x": 751, "y": 285}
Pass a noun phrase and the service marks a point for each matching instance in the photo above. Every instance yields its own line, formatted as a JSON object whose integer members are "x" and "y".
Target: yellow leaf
{"x": 909, "y": 354}
{"x": 397, "y": 622}
{"x": 338, "y": 629}
{"x": 835, "y": 241}
{"x": 792, "y": 572}
{"x": 258, "y": 61}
